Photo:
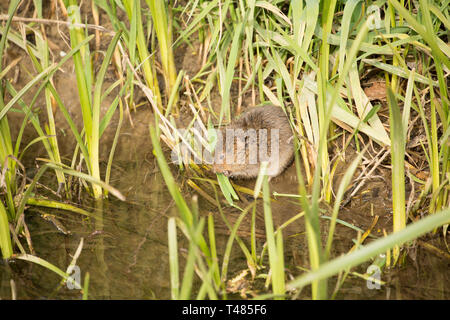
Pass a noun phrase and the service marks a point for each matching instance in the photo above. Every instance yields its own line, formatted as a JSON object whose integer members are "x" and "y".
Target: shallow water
{"x": 125, "y": 252}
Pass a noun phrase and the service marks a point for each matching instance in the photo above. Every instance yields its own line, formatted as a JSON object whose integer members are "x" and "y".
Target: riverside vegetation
{"x": 91, "y": 95}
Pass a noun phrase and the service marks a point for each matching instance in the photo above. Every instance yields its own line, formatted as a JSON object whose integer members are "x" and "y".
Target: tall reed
{"x": 6, "y": 150}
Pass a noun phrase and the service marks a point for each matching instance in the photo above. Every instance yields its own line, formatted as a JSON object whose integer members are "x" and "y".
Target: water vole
{"x": 259, "y": 134}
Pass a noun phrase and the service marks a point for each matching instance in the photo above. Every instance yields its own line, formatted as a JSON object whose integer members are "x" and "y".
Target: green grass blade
{"x": 398, "y": 166}
{"x": 40, "y": 202}
{"x": 346, "y": 20}
{"x": 276, "y": 257}
{"x": 43, "y": 263}
{"x": 346, "y": 179}
{"x": 229, "y": 73}
{"x": 229, "y": 245}
{"x": 398, "y": 71}
{"x": 427, "y": 34}
{"x": 86, "y": 286}
{"x": 226, "y": 188}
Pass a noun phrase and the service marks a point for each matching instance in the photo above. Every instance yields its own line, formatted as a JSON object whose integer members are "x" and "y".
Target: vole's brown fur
{"x": 266, "y": 117}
